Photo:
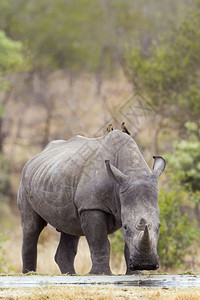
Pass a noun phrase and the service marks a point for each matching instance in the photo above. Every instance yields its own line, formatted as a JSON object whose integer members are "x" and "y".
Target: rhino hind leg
{"x": 32, "y": 225}
{"x": 66, "y": 253}
{"x": 94, "y": 226}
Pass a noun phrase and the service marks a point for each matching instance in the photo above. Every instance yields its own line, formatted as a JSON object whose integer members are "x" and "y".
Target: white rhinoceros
{"x": 92, "y": 187}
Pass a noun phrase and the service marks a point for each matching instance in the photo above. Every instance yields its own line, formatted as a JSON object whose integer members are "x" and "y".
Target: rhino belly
{"x": 60, "y": 213}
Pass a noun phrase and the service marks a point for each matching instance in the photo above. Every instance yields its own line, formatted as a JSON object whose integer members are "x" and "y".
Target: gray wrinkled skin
{"x": 92, "y": 187}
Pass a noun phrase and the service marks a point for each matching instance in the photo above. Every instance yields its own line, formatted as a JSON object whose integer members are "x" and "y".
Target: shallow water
{"x": 156, "y": 281}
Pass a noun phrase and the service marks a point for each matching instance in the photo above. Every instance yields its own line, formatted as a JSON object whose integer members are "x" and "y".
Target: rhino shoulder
{"x": 54, "y": 144}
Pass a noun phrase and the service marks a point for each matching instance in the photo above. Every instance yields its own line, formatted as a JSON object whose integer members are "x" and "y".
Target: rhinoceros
{"x": 91, "y": 187}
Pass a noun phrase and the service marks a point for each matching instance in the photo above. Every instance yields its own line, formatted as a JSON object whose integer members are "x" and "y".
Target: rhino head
{"x": 138, "y": 195}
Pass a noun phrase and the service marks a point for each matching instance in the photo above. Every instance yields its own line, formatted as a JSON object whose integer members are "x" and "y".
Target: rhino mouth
{"x": 141, "y": 262}
{"x": 142, "y": 267}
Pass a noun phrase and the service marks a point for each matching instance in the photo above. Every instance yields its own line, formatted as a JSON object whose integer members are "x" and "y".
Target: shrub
{"x": 177, "y": 232}
{"x": 185, "y": 160}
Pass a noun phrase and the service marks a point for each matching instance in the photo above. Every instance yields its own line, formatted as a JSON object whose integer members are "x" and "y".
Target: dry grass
{"x": 98, "y": 293}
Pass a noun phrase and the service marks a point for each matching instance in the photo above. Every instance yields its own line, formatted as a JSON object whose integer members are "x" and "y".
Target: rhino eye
{"x": 158, "y": 227}
{"x": 125, "y": 227}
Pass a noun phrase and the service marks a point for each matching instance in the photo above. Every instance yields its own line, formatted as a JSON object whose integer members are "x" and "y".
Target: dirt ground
{"x": 98, "y": 293}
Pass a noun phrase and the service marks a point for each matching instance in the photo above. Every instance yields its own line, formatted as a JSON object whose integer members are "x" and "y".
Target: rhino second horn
{"x": 145, "y": 243}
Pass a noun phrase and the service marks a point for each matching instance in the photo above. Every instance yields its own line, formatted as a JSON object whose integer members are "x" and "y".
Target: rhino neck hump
{"x": 128, "y": 157}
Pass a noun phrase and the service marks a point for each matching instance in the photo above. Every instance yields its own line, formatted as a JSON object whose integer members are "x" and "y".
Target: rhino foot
{"x": 129, "y": 272}
{"x": 99, "y": 271}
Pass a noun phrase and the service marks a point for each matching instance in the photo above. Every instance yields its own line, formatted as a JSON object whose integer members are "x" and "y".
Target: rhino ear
{"x": 159, "y": 165}
{"x": 115, "y": 174}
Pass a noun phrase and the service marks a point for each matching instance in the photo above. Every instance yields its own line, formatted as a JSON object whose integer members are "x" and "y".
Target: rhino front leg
{"x": 94, "y": 226}
{"x": 66, "y": 253}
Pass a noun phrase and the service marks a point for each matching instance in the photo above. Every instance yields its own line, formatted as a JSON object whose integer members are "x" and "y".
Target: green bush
{"x": 167, "y": 73}
{"x": 185, "y": 160}
{"x": 117, "y": 242}
{"x": 177, "y": 232}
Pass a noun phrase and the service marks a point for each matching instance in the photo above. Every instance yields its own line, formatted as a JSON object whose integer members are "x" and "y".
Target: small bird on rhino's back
{"x": 124, "y": 129}
{"x": 110, "y": 127}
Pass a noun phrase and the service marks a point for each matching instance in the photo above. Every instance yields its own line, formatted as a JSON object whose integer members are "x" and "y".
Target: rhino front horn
{"x": 145, "y": 243}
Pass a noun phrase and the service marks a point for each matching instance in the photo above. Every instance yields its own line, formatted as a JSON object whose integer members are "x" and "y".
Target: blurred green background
{"x": 71, "y": 67}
